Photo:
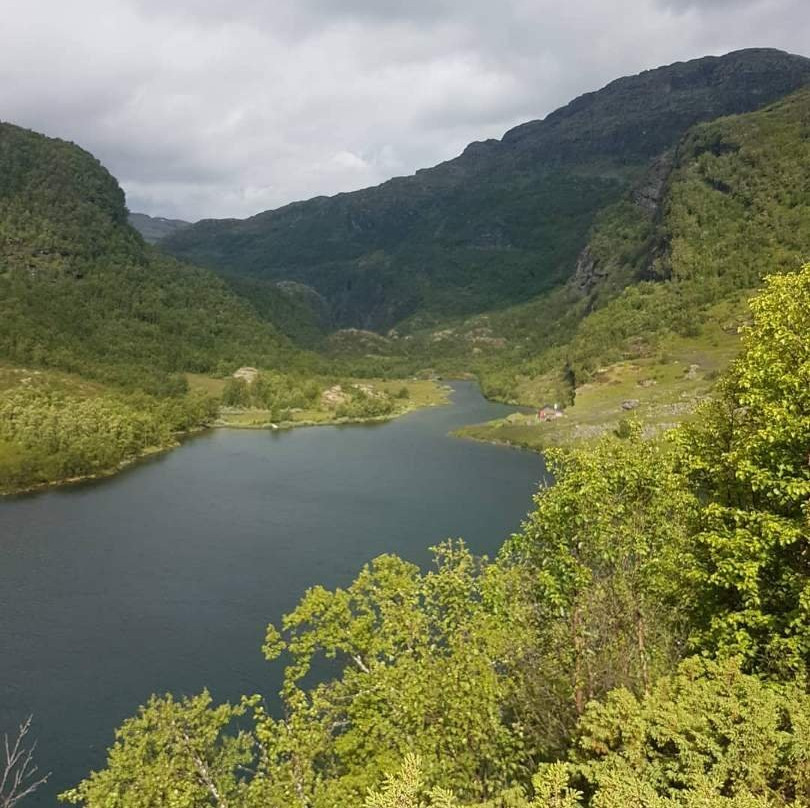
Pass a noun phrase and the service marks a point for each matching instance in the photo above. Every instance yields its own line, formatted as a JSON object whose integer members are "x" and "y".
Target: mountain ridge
{"x": 498, "y": 224}
{"x": 154, "y": 228}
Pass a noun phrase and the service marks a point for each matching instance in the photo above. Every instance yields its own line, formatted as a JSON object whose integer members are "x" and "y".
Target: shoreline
{"x": 346, "y": 421}
{"x": 101, "y": 474}
{"x": 179, "y": 437}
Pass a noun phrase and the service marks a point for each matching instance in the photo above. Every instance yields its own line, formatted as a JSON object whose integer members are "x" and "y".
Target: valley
{"x": 547, "y": 546}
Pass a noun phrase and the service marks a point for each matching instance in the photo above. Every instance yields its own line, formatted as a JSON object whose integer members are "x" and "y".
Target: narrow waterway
{"x": 164, "y": 577}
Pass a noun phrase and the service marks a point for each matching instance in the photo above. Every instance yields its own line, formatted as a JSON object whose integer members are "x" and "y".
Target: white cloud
{"x": 227, "y": 107}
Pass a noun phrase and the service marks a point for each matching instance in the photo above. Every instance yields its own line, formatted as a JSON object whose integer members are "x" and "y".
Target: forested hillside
{"x": 735, "y": 199}
{"x": 503, "y": 222}
{"x": 80, "y": 292}
{"x": 642, "y": 642}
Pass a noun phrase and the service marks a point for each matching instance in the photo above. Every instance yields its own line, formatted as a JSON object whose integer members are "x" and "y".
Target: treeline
{"x": 284, "y": 394}
{"x": 643, "y": 641}
{"x": 49, "y": 435}
{"x": 277, "y": 392}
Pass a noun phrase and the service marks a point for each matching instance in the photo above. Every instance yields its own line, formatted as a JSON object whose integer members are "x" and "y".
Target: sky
{"x": 224, "y": 108}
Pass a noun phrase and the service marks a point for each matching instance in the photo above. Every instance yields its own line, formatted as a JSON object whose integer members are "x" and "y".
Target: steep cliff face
{"x": 502, "y": 222}
{"x": 604, "y": 261}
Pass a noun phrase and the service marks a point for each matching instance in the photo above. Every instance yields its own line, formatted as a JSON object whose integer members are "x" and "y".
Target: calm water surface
{"x": 163, "y": 578}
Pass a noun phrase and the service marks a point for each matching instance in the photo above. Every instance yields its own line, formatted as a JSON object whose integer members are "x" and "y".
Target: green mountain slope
{"x": 734, "y": 205}
{"x": 503, "y": 222}
{"x": 81, "y": 291}
{"x": 97, "y": 329}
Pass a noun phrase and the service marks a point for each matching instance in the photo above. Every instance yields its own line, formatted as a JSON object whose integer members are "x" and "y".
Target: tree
{"x": 423, "y": 664}
{"x": 175, "y": 753}
{"x": 749, "y": 456}
{"x": 599, "y": 552}
{"x": 19, "y": 776}
{"x": 708, "y": 730}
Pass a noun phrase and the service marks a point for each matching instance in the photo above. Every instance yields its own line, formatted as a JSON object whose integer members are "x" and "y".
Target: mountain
{"x": 672, "y": 260}
{"x": 81, "y": 291}
{"x": 502, "y": 223}
{"x": 154, "y": 228}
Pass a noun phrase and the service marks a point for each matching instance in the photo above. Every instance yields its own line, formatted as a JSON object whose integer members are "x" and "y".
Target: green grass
{"x": 667, "y": 388}
{"x": 12, "y": 376}
{"x": 421, "y": 393}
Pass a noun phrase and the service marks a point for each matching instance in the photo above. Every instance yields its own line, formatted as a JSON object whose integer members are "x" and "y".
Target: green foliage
{"x": 708, "y": 729}
{"x": 47, "y": 434}
{"x": 365, "y": 404}
{"x": 173, "y": 753}
{"x": 277, "y": 392}
{"x": 707, "y": 736}
{"x": 600, "y": 548}
{"x": 426, "y": 666}
{"x": 80, "y": 291}
{"x": 406, "y": 789}
{"x": 748, "y": 454}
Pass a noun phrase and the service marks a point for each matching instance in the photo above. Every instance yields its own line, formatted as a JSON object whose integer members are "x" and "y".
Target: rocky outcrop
{"x": 650, "y": 191}
{"x": 588, "y": 272}
{"x": 246, "y": 374}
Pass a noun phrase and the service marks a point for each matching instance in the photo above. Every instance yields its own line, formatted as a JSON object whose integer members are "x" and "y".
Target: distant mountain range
{"x": 154, "y": 228}
{"x": 502, "y": 223}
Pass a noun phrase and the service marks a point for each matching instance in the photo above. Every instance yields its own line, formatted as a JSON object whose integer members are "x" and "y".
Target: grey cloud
{"x": 227, "y": 107}
{"x": 708, "y": 4}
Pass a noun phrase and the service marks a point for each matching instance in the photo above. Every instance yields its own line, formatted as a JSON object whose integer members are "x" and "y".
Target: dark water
{"x": 164, "y": 577}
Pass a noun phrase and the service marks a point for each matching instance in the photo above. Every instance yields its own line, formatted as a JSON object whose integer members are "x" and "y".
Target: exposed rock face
{"x": 588, "y": 272}
{"x": 246, "y": 374}
{"x": 333, "y": 397}
{"x": 649, "y": 192}
{"x": 646, "y": 195}
{"x": 359, "y": 341}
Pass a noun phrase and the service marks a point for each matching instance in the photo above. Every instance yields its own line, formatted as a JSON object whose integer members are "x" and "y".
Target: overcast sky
{"x": 227, "y": 107}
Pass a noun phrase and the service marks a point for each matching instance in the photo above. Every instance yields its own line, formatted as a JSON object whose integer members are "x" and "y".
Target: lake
{"x": 164, "y": 577}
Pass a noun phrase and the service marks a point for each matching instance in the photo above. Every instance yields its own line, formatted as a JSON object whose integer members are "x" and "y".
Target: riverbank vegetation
{"x": 57, "y": 427}
{"x": 642, "y": 641}
{"x": 658, "y": 392}
{"x": 278, "y": 400}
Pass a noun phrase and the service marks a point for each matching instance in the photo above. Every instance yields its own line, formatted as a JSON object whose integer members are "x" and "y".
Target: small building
{"x": 550, "y": 413}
